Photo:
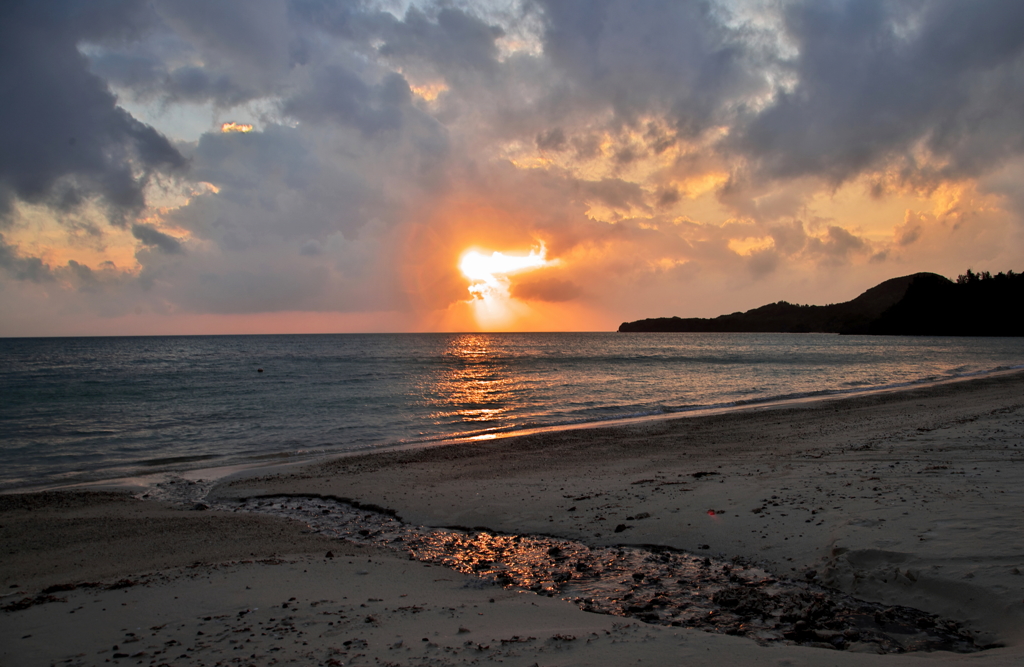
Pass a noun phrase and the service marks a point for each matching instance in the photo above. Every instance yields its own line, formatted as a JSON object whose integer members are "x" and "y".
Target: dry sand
{"x": 913, "y": 497}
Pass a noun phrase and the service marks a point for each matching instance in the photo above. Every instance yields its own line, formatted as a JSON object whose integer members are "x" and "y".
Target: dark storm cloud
{"x": 63, "y": 140}
{"x": 874, "y": 79}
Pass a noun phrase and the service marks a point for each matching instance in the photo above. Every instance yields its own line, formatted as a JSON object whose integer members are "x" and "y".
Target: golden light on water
{"x": 475, "y": 387}
{"x": 235, "y": 127}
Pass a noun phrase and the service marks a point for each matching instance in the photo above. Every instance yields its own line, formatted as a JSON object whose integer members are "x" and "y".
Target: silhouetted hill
{"x": 918, "y": 304}
{"x": 975, "y": 305}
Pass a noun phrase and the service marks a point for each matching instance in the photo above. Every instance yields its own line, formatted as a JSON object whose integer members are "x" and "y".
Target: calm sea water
{"x": 78, "y": 409}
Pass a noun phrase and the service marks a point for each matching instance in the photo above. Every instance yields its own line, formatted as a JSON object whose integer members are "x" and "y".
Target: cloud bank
{"x": 675, "y": 158}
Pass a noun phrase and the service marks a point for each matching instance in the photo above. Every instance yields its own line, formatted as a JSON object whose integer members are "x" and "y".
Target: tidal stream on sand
{"x": 650, "y": 583}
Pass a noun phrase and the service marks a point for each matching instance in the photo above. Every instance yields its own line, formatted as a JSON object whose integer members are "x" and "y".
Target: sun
{"x": 489, "y": 273}
{"x": 489, "y": 282}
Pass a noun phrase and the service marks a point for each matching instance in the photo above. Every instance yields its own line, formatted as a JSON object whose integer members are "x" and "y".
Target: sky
{"x": 291, "y": 166}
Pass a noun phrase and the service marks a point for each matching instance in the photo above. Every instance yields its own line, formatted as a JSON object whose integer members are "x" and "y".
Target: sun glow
{"x": 489, "y": 282}
{"x": 489, "y": 273}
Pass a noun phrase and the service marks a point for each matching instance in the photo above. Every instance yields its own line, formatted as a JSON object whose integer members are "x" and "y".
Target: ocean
{"x": 75, "y": 410}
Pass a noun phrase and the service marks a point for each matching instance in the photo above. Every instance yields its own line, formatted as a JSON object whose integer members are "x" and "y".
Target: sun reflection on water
{"x": 474, "y": 385}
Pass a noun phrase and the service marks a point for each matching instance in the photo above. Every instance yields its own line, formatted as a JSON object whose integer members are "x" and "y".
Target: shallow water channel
{"x": 652, "y": 584}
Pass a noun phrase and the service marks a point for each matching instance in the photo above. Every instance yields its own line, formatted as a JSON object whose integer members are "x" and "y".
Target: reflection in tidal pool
{"x": 656, "y": 585}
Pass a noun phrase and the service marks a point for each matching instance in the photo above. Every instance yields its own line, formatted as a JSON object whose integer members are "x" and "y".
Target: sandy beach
{"x": 913, "y": 498}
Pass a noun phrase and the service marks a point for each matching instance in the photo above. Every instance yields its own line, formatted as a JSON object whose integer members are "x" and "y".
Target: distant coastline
{"x": 921, "y": 304}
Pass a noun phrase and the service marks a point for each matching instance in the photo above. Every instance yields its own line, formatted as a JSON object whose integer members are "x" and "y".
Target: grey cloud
{"x": 340, "y": 95}
{"x": 1006, "y": 184}
{"x": 63, "y": 140}
{"x": 249, "y": 31}
{"x": 444, "y": 41}
{"x": 615, "y": 193}
{"x": 84, "y": 277}
{"x": 247, "y": 51}
{"x": 242, "y": 290}
{"x": 453, "y": 41}
{"x": 587, "y": 146}
{"x": 667, "y": 196}
{"x": 552, "y": 140}
{"x": 668, "y": 56}
{"x": 625, "y": 155}
{"x": 352, "y": 20}
{"x": 868, "y": 83}
{"x": 763, "y": 262}
{"x": 874, "y": 78}
{"x": 908, "y": 234}
{"x": 314, "y": 210}
{"x": 311, "y": 248}
{"x": 250, "y": 40}
{"x": 23, "y": 268}
{"x": 195, "y": 84}
{"x": 146, "y": 75}
{"x": 837, "y": 244}
{"x": 129, "y": 70}
{"x": 283, "y": 184}
{"x": 790, "y": 238}
{"x": 151, "y": 236}
{"x": 842, "y": 242}
{"x": 249, "y": 160}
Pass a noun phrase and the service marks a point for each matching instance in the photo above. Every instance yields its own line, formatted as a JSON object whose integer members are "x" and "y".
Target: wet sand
{"x": 913, "y": 498}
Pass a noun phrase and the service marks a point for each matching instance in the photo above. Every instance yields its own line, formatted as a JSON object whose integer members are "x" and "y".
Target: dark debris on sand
{"x": 653, "y": 584}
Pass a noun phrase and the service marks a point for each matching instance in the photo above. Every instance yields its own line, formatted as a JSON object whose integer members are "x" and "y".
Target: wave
{"x": 643, "y": 412}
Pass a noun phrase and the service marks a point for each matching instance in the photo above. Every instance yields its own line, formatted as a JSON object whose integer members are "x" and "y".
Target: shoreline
{"x": 141, "y": 480}
{"x": 909, "y": 497}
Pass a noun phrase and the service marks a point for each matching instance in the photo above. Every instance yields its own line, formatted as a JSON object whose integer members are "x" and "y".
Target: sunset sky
{"x": 329, "y": 166}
